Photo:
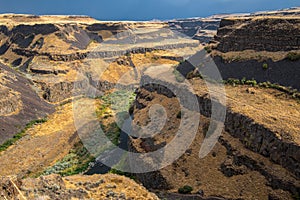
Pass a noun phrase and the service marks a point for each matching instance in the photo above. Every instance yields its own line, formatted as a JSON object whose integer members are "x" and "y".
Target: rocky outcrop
{"x": 244, "y": 148}
{"x": 284, "y": 72}
{"x": 10, "y": 101}
{"x": 101, "y": 54}
{"x": 28, "y": 30}
{"x": 115, "y": 27}
{"x": 190, "y": 27}
{"x": 21, "y": 97}
{"x": 260, "y": 34}
{"x": 254, "y": 136}
{"x": 238, "y": 163}
{"x": 56, "y": 92}
{"x": 74, "y": 187}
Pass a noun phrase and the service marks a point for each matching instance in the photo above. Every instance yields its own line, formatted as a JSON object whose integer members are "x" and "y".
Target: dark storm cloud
{"x": 141, "y": 9}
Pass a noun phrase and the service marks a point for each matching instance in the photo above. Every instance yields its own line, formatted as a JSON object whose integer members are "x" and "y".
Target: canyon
{"x": 52, "y": 65}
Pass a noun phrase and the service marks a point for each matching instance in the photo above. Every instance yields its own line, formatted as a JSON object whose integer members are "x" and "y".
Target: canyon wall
{"x": 260, "y": 34}
{"x": 19, "y": 103}
{"x": 253, "y": 135}
{"x": 245, "y": 147}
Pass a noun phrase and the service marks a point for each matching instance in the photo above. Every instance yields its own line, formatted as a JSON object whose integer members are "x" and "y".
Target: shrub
{"x": 293, "y": 56}
{"x": 178, "y": 115}
{"x": 178, "y": 76}
{"x": 21, "y": 134}
{"x": 118, "y": 172}
{"x": 155, "y": 58}
{"x": 243, "y": 81}
{"x": 77, "y": 161}
{"x": 251, "y": 82}
{"x": 185, "y": 189}
{"x": 207, "y": 49}
{"x": 265, "y": 66}
{"x": 233, "y": 81}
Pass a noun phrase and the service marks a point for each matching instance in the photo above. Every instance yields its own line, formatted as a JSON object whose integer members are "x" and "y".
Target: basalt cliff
{"x": 52, "y": 65}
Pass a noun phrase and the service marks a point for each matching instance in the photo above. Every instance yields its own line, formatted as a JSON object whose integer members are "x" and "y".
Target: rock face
{"x": 199, "y": 28}
{"x": 283, "y": 72}
{"x": 245, "y": 147}
{"x": 52, "y": 50}
{"x": 253, "y": 135}
{"x": 10, "y": 101}
{"x": 259, "y": 33}
{"x": 48, "y": 57}
{"x": 20, "y": 103}
{"x": 99, "y": 187}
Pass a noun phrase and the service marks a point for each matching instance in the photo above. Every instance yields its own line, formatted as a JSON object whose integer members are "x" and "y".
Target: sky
{"x": 141, "y": 9}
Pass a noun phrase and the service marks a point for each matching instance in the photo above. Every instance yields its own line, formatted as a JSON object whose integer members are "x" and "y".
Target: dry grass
{"x": 203, "y": 173}
{"x": 43, "y": 145}
{"x": 236, "y": 56}
{"x": 127, "y": 74}
{"x": 269, "y": 107}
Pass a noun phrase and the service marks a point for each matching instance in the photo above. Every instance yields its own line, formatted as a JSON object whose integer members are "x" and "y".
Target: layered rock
{"x": 74, "y": 187}
{"x": 52, "y": 50}
{"x": 20, "y": 103}
{"x": 202, "y": 29}
{"x": 259, "y": 33}
{"x": 251, "y": 145}
{"x": 9, "y": 101}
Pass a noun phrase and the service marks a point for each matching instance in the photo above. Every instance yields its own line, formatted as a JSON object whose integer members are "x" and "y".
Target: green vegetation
{"x": 296, "y": 196}
{"x": 155, "y": 58}
{"x": 185, "y": 189}
{"x": 92, "y": 41}
{"x": 194, "y": 74}
{"x": 288, "y": 90}
{"x": 118, "y": 172}
{"x": 208, "y": 49}
{"x": 178, "y": 76}
{"x": 236, "y": 58}
{"x": 113, "y": 132}
{"x": 293, "y": 56}
{"x": 181, "y": 62}
{"x": 77, "y": 161}
{"x": 119, "y": 102}
{"x": 179, "y": 114}
{"x": 122, "y": 164}
{"x": 128, "y": 54}
{"x": 265, "y": 66}
{"x": 21, "y": 134}
{"x": 243, "y": 81}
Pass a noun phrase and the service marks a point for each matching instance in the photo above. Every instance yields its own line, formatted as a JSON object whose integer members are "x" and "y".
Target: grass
{"x": 185, "y": 189}
{"x": 20, "y": 134}
{"x": 292, "y": 92}
{"x": 121, "y": 165}
{"x": 293, "y": 56}
{"x": 113, "y": 132}
{"x": 116, "y": 103}
{"x": 265, "y": 66}
{"x": 208, "y": 49}
{"x": 178, "y": 76}
{"x": 76, "y": 162}
{"x": 118, "y": 172}
{"x": 243, "y": 81}
{"x": 296, "y": 196}
{"x": 288, "y": 90}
